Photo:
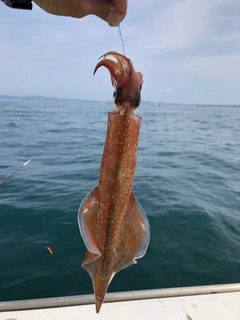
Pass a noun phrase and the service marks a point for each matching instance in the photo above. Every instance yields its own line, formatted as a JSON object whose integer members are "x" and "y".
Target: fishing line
{"x": 49, "y": 249}
{"x": 121, "y": 39}
{"x": 44, "y": 223}
{"x": 63, "y": 266}
{"x": 43, "y": 216}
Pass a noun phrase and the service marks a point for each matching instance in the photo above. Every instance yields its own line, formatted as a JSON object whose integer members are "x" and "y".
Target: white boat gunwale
{"x": 77, "y": 300}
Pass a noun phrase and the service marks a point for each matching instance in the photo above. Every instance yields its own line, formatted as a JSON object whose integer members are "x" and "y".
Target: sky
{"x": 188, "y": 52}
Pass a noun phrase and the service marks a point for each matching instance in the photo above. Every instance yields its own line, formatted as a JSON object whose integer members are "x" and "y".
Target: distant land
{"x": 7, "y": 97}
{"x": 154, "y": 104}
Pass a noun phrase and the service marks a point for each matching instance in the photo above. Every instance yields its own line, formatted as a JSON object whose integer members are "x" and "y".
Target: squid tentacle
{"x": 125, "y": 79}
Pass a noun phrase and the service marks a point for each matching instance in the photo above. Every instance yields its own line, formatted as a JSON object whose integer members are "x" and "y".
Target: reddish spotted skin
{"x": 115, "y": 186}
{"x": 114, "y": 222}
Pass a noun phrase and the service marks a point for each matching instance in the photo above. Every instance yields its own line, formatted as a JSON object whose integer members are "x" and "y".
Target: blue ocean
{"x": 187, "y": 180}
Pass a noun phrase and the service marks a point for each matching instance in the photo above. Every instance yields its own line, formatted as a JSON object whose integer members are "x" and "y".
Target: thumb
{"x": 113, "y": 12}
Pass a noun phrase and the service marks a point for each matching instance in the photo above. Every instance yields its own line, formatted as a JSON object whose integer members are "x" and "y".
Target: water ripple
{"x": 187, "y": 180}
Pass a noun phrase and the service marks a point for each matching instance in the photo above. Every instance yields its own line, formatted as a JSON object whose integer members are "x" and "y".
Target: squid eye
{"x": 114, "y": 95}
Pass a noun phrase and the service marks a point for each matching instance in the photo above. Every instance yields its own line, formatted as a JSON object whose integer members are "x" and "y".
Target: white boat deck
{"x": 221, "y": 302}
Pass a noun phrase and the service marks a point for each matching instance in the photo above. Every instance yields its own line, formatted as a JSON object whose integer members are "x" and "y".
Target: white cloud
{"x": 215, "y": 66}
{"x": 182, "y": 27}
{"x": 168, "y": 90}
{"x": 183, "y": 43}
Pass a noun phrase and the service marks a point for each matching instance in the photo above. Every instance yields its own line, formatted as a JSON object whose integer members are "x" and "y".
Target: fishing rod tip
{"x": 27, "y": 162}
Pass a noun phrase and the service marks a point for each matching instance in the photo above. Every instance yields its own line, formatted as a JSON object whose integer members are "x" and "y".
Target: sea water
{"x": 187, "y": 181}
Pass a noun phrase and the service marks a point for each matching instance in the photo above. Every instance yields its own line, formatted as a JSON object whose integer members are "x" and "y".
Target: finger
{"x": 113, "y": 12}
{"x": 72, "y": 8}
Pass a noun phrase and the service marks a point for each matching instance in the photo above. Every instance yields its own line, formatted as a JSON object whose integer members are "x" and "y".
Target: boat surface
{"x": 189, "y": 303}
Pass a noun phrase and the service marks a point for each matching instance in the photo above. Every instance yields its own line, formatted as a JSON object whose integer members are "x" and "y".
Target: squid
{"x": 112, "y": 223}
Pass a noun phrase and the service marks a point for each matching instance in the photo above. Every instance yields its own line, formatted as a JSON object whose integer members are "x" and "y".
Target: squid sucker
{"x": 112, "y": 223}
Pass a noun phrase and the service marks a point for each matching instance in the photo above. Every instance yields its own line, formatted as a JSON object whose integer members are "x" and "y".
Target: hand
{"x": 113, "y": 12}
